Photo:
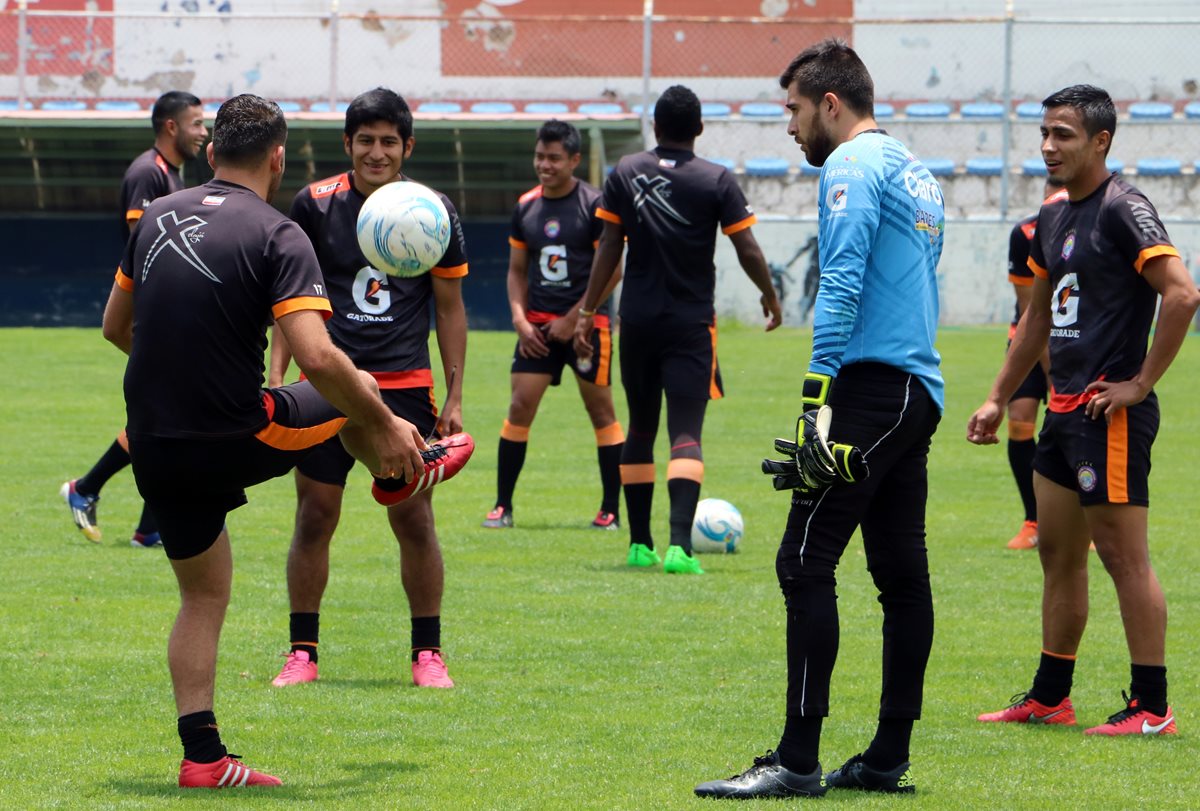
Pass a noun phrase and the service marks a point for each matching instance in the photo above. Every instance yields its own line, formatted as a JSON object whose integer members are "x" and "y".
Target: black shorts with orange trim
{"x": 597, "y": 370}
{"x": 1105, "y": 463}
{"x": 192, "y": 484}
{"x": 1035, "y": 386}
{"x": 330, "y": 463}
{"x": 678, "y": 359}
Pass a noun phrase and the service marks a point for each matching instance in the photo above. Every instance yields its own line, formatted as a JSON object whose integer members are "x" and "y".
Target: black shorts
{"x": 1033, "y": 387}
{"x": 679, "y": 359}
{"x": 192, "y": 484}
{"x": 1105, "y": 464}
{"x": 330, "y": 463}
{"x": 598, "y": 370}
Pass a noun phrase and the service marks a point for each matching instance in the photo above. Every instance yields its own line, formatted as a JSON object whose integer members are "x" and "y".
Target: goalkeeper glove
{"x": 814, "y": 463}
{"x": 814, "y": 391}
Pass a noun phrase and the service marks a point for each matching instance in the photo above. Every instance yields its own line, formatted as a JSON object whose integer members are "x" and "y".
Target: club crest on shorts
{"x": 1068, "y": 247}
{"x": 1086, "y": 476}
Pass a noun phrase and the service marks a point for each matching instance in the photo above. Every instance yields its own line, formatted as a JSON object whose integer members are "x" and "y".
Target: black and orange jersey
{"x": 1092, "y": 252}
{"x": 148, "y": 178}
{"x": 670, "y": 203}
{"x": 382, "y": 322}
{"x": 209, "y": 268}
{"x": 560, "y": 234}
{"x": 1018, "y": 251}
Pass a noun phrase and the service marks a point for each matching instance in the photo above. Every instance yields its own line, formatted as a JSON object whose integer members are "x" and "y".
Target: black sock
{"x": 1020, "y": 459}
{"x": 684, "y": 494}
{"x": 610, "y": 477}
{"x": 305, "y": 630}
{"x": 201, "y": 740}
{"x": 147, "y": 524}
{"x": 426, "y": 634}
{"x": 510, "y": 458}
{"x": 800, "y": 744}
{"x": 639, "y": 498}
{"x": 1148, "y": 684}
{"x": 112, "y": 462}
{"x": 890, "y": 747}
{"x": 1052, "y": 683}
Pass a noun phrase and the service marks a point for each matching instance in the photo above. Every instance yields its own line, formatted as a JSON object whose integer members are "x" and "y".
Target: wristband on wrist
{"x": 586, "y": 313}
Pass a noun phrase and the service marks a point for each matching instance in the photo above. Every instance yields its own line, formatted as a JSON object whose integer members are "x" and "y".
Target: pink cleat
{"x": 296, "y": 670}
{"x": 228, "y": 772}
{"x": 430, "y": 671}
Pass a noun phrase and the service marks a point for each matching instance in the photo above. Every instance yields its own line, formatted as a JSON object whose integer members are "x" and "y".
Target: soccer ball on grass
{"x": 717, "y": 526}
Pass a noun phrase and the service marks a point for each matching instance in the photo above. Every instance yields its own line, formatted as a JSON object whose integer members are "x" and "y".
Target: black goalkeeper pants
{"x": 891, "y": 417}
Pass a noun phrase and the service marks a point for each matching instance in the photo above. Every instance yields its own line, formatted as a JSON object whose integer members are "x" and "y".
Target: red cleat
{"x": 228, "y": 772}
{"x": 1024, "y": 710}
{"x": 1133, "y": 720}
{"x": 442, "y": 461}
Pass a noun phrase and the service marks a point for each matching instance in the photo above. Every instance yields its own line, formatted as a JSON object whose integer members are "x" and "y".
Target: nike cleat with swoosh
{"x": 1024, "y": 710}
{"x": 1133, "y": 720}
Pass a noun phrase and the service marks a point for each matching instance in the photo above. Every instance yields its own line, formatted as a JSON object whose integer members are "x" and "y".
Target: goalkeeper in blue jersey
{"x": 872, "y": 398}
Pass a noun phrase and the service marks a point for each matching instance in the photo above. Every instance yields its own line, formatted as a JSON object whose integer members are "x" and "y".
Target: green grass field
{"x": 582, "y": 684}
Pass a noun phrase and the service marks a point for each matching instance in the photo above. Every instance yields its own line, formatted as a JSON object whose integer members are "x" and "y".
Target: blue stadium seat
{"x": 64, "y": 105}
{"x": 939, "y": 167}
{"x": 600, "y": 108}
{"x": 492, "y": 108}
{"x": 11, "y": 104}
{"x": 1029, "y": 109}
{"x": 766, "y": 167}
{"x": 925, "y": 109}
{"x": 1114, "y": 165}
{"x": 985, "y": 167}
{"x": 212, "y": 106}
{"x": 439, "y": 107}
{"x": 1162, "y": 167}
{"x": 111, "y": 106}
{"x": 546, "y": 107}
{"x": 884, "y": 110}
{"x": 1196, "y": 166}
{"x": 1034, "y": 167}
{"x": 323, "y": 107}
{"x": 978, "y": 109}
{"x": 1151, "y": 111}
{"x": 807, "y": 169}
{"x": 758, "y": 109}
{"x": 715, "y": 109}
{"x": 1192, "y": 109}
{"x": 726, "y": 162}
{"x": 291, "y": 106}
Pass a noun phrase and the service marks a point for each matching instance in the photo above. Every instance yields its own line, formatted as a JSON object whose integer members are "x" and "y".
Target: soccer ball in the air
{"x": 403, "y": 229}
{"x": 717, "y": 526}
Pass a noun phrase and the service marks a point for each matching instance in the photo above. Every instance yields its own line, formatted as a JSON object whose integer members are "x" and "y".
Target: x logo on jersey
{"x": 655, "y": 190}
{"x": 173, "y": 233}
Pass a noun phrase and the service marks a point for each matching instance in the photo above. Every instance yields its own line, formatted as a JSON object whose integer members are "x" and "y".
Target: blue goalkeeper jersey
{"x": 880, "y": 238}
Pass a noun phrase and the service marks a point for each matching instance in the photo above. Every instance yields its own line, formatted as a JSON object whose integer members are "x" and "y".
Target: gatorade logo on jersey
{"x": 837, "y": 197}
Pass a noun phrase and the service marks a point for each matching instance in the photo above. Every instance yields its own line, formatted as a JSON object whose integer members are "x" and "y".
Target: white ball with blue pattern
{"x": 403, "y": 229}
{"x": 717, "y": 526}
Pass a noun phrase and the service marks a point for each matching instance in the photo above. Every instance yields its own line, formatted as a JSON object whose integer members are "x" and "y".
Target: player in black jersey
{"x": 1100, "y": 263}
{"x": 382, "y": 323}
{"x": 204, "y": 273}
{"x": 552, "y": 244}
{"x": 1023, "y": 407}
{"x": 179, "y": 133}
{"x": 669, "y": 204}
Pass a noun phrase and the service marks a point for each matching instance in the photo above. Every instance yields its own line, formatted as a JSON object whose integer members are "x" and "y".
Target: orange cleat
{"x": 1024, "y": 710}
{"x": 1133, "y": 720}
{"x": 1026, "y": 537}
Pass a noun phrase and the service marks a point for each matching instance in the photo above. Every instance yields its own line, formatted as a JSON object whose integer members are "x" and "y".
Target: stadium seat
{"x": 1192, "y": 109}
{"x": 715, "y": 109}
{"x": 1029, "y": 109}
{"x": 766, "y": 167}
{"x": 807, "y": 169}
{"x": 756, "y": 109}
{"x": 439, "y": 107}
{"x": 1151, "y": 111}
{"x": 492, "y": 108}
{"x": 1161, "y": 167}
{"x": 925, "y": 109}
{"x": 323, "y": 107}
{"x": 64, "y": 105}
{"x": 884, "y": 110}
{"x": 985, "y": 167}
{"x": 1196, "y": 166}
{"x": 1034, "y": 167}
{"x": 939, "y": 167}
{"x": 977, "y": 109}
{"x": 726, "y": 162}
{"x": 11, "y": 104}
{"x": 110, "y": 106}
{"x": 1114, "y": 165}
{"x": 600, "y": 108}
{"x": 546, "y": 107}
{"x": 291, "y": 106}
{"x": 212, "y": 106}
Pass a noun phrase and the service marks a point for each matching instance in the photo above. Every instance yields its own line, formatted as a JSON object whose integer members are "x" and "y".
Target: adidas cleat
{"x": 642, "y": 556}
{"x": 606, "y": 520}
{"x": 680, "y": 562}
{"x": 1133, "y": 720}
{"x": 83, "y": 510}
{"x": 298, "y": 669}
{"x": 1026, "y": 537}
{"x": 148, "y": 540}
{"x": 443, "y": 459}
{"x": 766, "y": 778}
{"x": 228, "y": 772}
{"x": 1024, "y": 710}
{"x": 430, "y": 670}
{"x": 855, "y": 773}
{"x": 498, "y": 518}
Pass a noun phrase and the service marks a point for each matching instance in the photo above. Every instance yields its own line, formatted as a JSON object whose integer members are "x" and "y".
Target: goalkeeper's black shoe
{"x": 855, "y": 773}
{"x": 766, "y": 778}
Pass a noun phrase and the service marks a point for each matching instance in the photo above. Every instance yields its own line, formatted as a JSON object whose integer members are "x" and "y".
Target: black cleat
{"x": 766, "y": 778}
{"x": 855, "y": 773}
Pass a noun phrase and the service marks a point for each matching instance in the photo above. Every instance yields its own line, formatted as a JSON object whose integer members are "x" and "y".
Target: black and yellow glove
{"x": 814, "y": 463}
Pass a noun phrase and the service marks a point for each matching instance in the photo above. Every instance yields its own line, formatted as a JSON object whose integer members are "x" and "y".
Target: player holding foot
{"x": 1100, "y": 262}
{"x": 179, "y": 133}
{"x": 552, "y": 244}
{"x": 875, "y": 368}
{"x": 669, "y": 204}
{"x": 204, "y": 273}
{"x": 382, "y": 323}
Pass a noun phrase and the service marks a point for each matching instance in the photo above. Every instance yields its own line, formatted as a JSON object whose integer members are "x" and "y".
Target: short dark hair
{"x": 831, "y": 66}
{"x": 1095, "y": 107}
{"x": 677, "y": 114}
{"x": 247, "y": 128}
{"x": 378, "y": 105}
{"x": 555, "y": 131}
{"x": 169, "y": 105}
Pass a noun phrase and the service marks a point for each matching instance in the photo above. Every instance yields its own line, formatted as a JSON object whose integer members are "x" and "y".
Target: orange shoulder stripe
{"x": 456, "y": 272}
{"x": 740, "y": 225}
{"x": 298, "y": 303}
{"x": 1150, "y": 253}
{"x": 605, "y": 214}
{"x": 124, "y": 282}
